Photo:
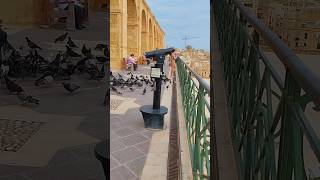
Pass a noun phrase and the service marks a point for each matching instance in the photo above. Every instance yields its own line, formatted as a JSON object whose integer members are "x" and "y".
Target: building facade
{"x": 297, "y": 23}
{"x": 133, "y": 29}
{"x": 32, "y": 12}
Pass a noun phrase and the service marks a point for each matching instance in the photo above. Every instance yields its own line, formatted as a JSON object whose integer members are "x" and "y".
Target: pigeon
{"x": 120, "y": 76}
{"x": 106, "y": 98}
{"x": 84, "y": 50}
{"x": 115, "y": 89}
{"x": 139, "y": 83}
{"x": 316, "y": 108}
{"x": 71, "y": 43}
{"x": 71, "y": 53}
{"x": 100, "y": 46}
{"x": 32, "y": 45}
{"x": 8, "y": 46}
{"x": 101, "y": 59}
{"x": 61, "y": 38}
{"x": 106, "y": 52}
{"x": 39, "y": 57}
{"x": 70, "y": 87}
{"x": 27, "y": 99}
{"x": 45, "y": 79}
{"x": 144, "y": 91}
{"x": 12, "y": 86}
{"x": 57, "y": 59}
{"x": 89, "y": 54}
{"x": 102, "y": 72}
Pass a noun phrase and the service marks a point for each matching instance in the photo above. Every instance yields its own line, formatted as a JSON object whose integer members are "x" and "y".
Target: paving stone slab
{"x": 126, "y": 155}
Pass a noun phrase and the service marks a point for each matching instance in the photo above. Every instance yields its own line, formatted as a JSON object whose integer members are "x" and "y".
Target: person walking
{"x": 3, "y": 41}
{"x": 172, "y": 64}
{"x": 131, "y": 62}
{"x": 79, "y": 11}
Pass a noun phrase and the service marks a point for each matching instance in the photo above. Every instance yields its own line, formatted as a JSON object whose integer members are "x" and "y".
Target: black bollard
{"x": 102, "y": 153}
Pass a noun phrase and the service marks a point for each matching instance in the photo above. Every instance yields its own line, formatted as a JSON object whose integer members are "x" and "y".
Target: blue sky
{"x": 180, "y": 18}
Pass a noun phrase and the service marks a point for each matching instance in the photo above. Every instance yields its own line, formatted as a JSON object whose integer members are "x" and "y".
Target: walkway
{"x": 130, "y": 141}
{"x": 62, "y": 131}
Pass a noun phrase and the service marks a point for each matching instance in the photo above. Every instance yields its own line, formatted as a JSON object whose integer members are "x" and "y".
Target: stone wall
{"x": 133, "y": 29}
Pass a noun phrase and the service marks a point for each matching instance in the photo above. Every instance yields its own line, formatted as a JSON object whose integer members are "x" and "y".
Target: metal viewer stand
{"x": 153, "y": 115}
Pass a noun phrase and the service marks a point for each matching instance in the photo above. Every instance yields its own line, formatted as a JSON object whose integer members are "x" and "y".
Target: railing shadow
{"x": 271, "y": 129}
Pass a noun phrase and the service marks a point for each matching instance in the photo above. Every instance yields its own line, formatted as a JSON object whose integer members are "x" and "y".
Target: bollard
{"x": 102, "y": 153}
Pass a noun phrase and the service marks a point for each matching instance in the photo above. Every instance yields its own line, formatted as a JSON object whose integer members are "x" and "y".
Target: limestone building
{"x": 31, "y": 12}
{"x": 133, "y": 29}
{"x": 297, "y": 23}
{"x": 198, "y": 60}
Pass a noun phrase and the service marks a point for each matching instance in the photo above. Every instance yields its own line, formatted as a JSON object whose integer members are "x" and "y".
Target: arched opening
{"x": 132, "y": 28}
{"x": 144, "y": 33}
{"x": 150, "y": 35}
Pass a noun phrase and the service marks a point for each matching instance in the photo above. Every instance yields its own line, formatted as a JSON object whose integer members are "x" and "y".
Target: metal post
{"x": 157, "y": 92}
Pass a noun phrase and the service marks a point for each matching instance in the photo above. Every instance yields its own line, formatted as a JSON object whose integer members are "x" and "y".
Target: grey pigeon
{"x": 70, "y": 87}
{"x": 71, "y": 43}
{"x": 144, "y": 91}
{"x": 61, "y": 38}
{"x": 27, "y": 99}
{"x": 32, "y": 45}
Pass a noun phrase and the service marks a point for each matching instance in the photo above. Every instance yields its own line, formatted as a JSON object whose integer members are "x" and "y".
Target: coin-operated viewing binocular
{"x": 159, "y": 54}
{"x": 153, "y": 114}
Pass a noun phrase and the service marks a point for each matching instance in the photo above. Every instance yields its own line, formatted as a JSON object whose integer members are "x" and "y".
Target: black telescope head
{"x": 158, "y": 53}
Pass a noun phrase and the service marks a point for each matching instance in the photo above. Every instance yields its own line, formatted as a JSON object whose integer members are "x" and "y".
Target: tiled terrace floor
{"x": 62, "y": 149}
{"x": 129, "y": 140}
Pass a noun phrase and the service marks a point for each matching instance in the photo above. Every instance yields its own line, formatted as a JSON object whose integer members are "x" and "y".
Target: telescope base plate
{"x": 153, "y": 118}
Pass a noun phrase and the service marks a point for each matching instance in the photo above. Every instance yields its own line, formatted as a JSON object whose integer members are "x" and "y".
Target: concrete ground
{"x": 137, "y": 152}
{"x": 60, "y": 133}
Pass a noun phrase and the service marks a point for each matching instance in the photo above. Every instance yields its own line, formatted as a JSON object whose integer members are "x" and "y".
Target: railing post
{"x": 291, "y": 137}
{"x": 194, "y": 104}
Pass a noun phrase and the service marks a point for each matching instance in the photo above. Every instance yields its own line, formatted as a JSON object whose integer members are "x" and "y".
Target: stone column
{"x": 118, "y": 33}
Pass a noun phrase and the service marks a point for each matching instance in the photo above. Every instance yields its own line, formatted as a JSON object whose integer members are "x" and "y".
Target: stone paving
{"x": 62, "y": 148}
{"x": 15, "y": 133}
{"x": 129, "y": 140}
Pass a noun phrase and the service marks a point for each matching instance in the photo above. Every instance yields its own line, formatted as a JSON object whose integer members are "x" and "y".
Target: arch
{"x": 150, "y": 35}
{"x": 144, "y": 32}
{"x": 132, "y": 27}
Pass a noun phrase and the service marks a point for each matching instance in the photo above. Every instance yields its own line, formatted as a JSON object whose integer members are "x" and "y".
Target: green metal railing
{"x": 270, "y": 128}
{"x": 195, "y": 93}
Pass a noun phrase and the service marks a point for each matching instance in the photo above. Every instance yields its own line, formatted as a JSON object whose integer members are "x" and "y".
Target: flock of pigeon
{"x": 133, "y": 82}
{"x": 62, "y": 67}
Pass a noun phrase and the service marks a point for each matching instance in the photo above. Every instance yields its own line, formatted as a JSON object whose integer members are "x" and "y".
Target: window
{"x": 305, "y": 35}
{"x": 297, "y": 44}
{"x": 305, "y": 44}
{"x": 318, "y": 46}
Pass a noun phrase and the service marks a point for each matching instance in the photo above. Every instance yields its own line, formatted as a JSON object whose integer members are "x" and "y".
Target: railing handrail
{"x": 201, "y": 81}
{"x": 303, "y": 75}
{"x": 194, "y": 92}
